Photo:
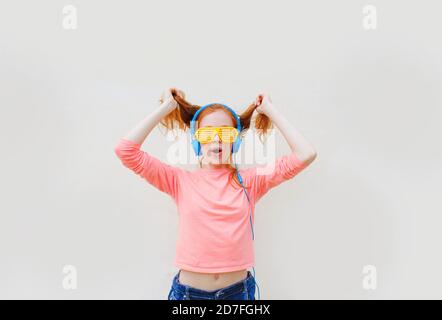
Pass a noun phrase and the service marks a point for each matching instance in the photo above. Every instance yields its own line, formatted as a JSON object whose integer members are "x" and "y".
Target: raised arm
{"x": 287, "y": 166}
{"x": 298, "y": 144}
{"x": 159, "y": 174}
{"x": 143, "y": 129}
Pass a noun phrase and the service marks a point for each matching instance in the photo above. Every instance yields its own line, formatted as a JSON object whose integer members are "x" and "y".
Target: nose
{"x": 216, "y": 138}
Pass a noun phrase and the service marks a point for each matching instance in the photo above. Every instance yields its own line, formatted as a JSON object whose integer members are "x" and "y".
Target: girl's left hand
{"x": 264, "y": 104}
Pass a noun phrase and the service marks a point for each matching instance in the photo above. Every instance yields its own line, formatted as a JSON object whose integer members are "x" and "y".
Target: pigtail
{"x": 180, "y": 117}
{"x": 262, "y": 123}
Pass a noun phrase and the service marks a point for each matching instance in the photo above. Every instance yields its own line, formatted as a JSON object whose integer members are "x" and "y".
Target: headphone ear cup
{"x": 196, "y": 147}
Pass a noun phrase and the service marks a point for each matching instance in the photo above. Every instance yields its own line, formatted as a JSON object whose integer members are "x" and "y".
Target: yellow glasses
{"x": 207, "y": 134}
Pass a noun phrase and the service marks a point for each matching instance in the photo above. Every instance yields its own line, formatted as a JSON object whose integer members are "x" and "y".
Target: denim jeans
{"x": 241, "y": 290}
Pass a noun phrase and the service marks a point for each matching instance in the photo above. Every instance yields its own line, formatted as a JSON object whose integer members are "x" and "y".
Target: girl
{"x": 215, "y": 202}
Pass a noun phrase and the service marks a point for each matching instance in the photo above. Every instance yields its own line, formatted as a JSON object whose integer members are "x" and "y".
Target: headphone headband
{"x": 192, "y": 122}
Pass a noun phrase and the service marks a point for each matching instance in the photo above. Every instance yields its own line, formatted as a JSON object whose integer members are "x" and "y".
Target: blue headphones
{"x": 197, "y": 148}
{"x": 196, "y": 144}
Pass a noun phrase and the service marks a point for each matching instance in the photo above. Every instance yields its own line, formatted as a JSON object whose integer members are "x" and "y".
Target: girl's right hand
{"x": 167, "y": 100}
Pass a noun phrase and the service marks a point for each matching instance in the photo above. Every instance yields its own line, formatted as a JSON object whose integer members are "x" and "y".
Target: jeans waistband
{"x": 244, "y": 284}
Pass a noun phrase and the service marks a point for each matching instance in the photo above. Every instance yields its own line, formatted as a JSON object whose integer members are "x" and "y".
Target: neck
{"x": 215, "y": 166}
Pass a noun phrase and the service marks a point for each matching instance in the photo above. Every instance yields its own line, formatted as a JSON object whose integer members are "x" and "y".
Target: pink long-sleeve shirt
{"x": 214, "y": 233}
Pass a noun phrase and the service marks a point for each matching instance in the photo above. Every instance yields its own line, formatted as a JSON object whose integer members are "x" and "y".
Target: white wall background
{"x": 368, "y": 100}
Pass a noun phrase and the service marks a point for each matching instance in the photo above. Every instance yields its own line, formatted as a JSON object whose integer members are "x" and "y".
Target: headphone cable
{"x": 251, "y": 223}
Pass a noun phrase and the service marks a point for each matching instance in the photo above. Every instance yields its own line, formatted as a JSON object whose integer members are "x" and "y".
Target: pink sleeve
{"x": 159, "y": 174}
{"x": 274, "y": 173}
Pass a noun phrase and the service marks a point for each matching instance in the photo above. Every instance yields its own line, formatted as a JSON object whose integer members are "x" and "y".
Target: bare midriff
{"x": 211, "y": 281}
